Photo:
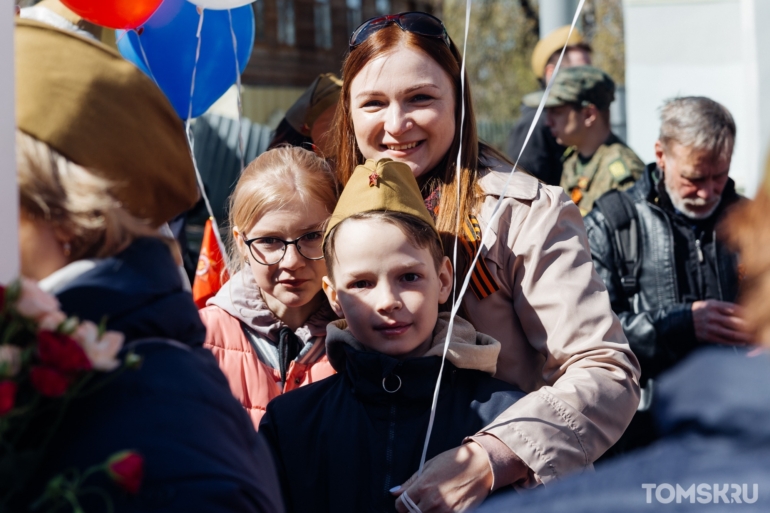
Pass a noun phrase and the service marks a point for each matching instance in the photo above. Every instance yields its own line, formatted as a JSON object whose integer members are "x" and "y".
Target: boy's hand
{"x": 456, "y": 480}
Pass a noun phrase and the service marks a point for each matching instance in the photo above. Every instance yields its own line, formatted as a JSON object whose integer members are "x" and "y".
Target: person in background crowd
{"x": 96, "y": 178}
{"x": 267, "y": 325}
{"x": 308, "y": 122}
{"x": 711, "y": 410}
{"x": 543, "y": 156}
{"x": 578, "y": 115}
{"x": 534, "y": 289}
{"x": 678, "y": 290}
{"x": 387, "y": 276}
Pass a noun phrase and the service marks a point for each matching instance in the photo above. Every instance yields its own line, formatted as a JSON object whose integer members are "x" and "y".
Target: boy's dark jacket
{"x": 341, "y": 444}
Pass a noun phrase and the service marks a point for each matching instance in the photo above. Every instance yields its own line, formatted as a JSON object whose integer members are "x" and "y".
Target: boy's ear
{"x": 331, "y": 295}
{"x": 445, "y": 280}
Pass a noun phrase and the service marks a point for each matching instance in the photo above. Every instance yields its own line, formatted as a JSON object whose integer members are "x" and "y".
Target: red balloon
{"x": 116, "y": 14}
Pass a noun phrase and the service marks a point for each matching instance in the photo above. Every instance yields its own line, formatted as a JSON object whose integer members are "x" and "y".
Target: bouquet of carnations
{"x": 48, "y": 360}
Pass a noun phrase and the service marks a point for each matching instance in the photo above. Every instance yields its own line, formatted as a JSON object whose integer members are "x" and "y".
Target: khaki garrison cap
{"x": 322, "y": 94}
{"x": 581, "y": 85}
{"x": 101, "y": 112}
{"x": 551, "y": 44}
{"x": 384, "y": 185}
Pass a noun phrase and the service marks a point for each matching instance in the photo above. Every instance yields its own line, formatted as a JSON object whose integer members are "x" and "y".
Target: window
{"x": 286, "y": 33}
{"x": 323, "y": 24}
{"x": 259, "y": 20}
{"x": 354, "y": 15}
{"x": 382, "y": 6}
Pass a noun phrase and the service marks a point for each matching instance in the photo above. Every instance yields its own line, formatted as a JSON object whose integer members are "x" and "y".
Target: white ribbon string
{"x": 191, "y": 144}
{"x": 144, "y": 56}
{"x": 455, "y": 299}
{"x": 238, "y": 89}
{"x": 496, "y": 211}
{"x": 411, "y": 507}
{"x": 195, "y": 65}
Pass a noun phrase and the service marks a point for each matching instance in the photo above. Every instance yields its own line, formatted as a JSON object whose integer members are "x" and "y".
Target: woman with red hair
{"x": 534, "y": 289}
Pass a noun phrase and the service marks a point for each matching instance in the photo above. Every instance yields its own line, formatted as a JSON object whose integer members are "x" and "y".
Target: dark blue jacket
{"x": 714, "y": 414}
{"x": 342, "y": 443}
{"x": 200, "y": 449}
{"x": 140, "y": 292}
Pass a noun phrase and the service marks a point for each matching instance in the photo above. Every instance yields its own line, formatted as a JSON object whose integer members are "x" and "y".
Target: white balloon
{"x": 221, "y": 5}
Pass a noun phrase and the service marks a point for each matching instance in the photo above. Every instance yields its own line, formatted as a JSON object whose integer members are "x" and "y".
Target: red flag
{"x": 209, "y": 276}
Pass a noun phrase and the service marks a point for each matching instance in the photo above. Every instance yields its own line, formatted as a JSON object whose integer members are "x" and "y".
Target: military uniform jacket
{"x": 613, "y": 166}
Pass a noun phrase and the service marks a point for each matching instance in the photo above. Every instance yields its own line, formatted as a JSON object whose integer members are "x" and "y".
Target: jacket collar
{"x": 137, "y": 291}
{"x": 468, "y": 349}
{"x": 241, "y": 298}
{"x": 379, "y": 378}
{"x": 494, "y": 174}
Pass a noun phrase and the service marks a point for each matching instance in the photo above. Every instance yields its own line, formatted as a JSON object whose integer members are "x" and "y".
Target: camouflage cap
{"x": 581, "y": 85}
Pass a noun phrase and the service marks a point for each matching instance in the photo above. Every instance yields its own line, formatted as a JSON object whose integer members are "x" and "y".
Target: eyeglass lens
{"x": 271, "y": 250}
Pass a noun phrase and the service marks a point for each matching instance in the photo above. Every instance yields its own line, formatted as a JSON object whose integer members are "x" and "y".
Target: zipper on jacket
{"x": 389, "y": 450}
{"x": 699, "y": 250}
{"x": 717, "y": 266}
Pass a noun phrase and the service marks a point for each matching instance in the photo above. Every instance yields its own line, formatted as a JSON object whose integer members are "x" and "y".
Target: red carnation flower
{"x": 2, "y": 297}
{"x": 7, "y": 396}
{"x": 61, "y": 352}
{"x": 126, "y": 468}
{"x": 49, "y": 382}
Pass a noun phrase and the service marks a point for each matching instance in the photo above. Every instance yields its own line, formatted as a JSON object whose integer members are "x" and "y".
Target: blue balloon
{"x": 169, "y": 42}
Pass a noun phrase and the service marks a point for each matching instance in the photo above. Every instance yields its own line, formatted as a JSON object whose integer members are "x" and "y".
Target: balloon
{"x": 117, "y": 14}
{"x": 218, "y": 5}
{"x": 169, "y": 42}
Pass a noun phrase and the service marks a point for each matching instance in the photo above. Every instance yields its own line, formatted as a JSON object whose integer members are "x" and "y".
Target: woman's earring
{"x": 67, "y": 249}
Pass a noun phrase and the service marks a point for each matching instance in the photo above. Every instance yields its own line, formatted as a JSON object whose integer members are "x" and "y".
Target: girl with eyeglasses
{"x": 267, "y": 325}
{"x": 534, "y": 289}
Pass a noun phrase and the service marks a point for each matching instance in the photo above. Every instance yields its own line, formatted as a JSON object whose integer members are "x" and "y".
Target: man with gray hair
{"x": 671, "y": 281}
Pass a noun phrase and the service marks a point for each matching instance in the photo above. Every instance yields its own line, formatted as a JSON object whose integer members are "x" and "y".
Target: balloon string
{"x": 191, "y": 144}
{"x": 122, "y": 35}
{"x": 455, "y": 299}
{"x": 195, "y": 65}
{"x": 496, "y": 211}
{"x": 144, "y": 57}
{"x": 238, "y": 89}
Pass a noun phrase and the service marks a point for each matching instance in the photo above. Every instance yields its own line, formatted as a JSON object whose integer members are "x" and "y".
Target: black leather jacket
{"x": 657, "y": 320}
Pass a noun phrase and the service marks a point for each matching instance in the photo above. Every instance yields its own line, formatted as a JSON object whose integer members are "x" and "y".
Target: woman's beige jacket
{"x": 561, "y": 342}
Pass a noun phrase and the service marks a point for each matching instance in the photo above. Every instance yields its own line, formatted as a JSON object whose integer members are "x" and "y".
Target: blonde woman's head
{"x": 66, "y": 212}
{"x": 277, "y": 214}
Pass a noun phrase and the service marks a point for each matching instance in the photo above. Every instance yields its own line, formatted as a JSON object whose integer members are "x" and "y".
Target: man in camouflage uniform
{"x": 578, "y": 114}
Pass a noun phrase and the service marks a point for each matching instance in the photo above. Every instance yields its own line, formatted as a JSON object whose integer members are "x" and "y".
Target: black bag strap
{"x": 620, "y": 213}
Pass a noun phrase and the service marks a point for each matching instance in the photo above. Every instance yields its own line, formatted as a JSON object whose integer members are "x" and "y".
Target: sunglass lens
{"x": 366, "y": 29}
{"x": 422, "y": 24}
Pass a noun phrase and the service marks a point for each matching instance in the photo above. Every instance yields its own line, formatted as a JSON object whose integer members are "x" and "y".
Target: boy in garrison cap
{"x": 341, "y": 444}
{"x": 578, "y": 114}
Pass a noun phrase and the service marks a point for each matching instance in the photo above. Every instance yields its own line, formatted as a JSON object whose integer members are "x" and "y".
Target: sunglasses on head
{"x": 420, "y": 23}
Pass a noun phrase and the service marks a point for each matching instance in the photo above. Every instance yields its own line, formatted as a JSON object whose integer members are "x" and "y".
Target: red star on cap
{"x": 373, "y": 179}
